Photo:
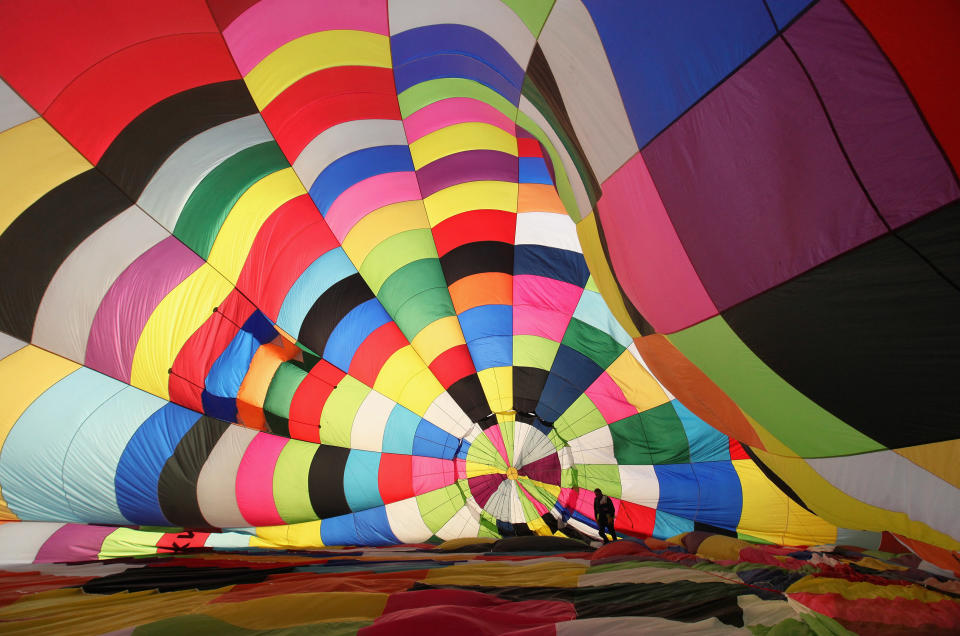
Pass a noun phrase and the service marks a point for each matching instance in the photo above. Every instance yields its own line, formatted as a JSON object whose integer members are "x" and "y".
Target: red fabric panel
{"x": 292, "y": 238}
{"x": 475, "y": 226}
{"x": 226, "y": 11}
{"x": 923, "y": 46}
{"x": 395, "y": 477}
{"x": 327, "y": 98}
{"x": 634, "y": 518}
{"x": 175, "y": 542}
{"x": 528, "y": 147}
{"x": 14, "y": 585}
{"x": 884, "y": 611}
{"x": 93, "y": 109}
{"x": 45, "y": 44}
{"x": 736, "y": 450}
{"x": 374, "y": 352}
{"x": 309, "y": 398}
{"x": 451, "y": 365}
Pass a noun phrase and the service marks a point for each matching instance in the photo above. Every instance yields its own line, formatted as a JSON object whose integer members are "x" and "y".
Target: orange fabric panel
{"x": 488, "y": 288}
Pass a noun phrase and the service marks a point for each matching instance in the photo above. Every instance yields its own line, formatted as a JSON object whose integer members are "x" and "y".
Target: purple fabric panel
{"x": 482, "y": 487}
{"x": 471, "y": 165}
{"x": 546, "y": 469}
{"x": 755, "y": 183}
{"x": 131, "y": 300}
{"x": 73, "y": 542}
{"x": 902, "y": 168}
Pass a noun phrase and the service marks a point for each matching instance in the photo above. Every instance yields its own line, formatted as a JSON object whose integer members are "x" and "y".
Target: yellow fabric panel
{"x": 173, "y": 321}
{"x": 939, "y": 459}
{"x": 236, "y": 236}
{"x": 474, "y": 195}
{"x": 475, "y": 469}
{"x": 288, "y": 610}
{"x": 540, "y": 527}
{"x": 638, "y": 386}
{"x": 437, "y": 337}
{"x": 406, "y": 380}
{"x": 497, "y": 383}
{"x": 766, "y": 506}
{"x": 602, "y": 274}
{"x": 421, "y": 391}
{"x": 453, "y": 544}
{"x": 34, "y": 159}
{"x": 560, "y": 573}
{"x": 852, "y": 590}
{"x": 295, "y": 535}
{"x": 721, "y": 548}
{"x": 125, "y": 542}
{"x": 381, "y": 224}
{"x": 266, "y": 361}
{"x": 460, "y": 138}
{"x": 24, "y": 375}
{"x": 311, "y": 53}
{"x": 538, "y": 197}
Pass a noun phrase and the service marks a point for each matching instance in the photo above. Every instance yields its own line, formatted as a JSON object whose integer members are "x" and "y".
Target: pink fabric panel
{"x": 461, "y": 468}
{"x": 646, "y": 254}
{"x": 74, "y": 542}
{"x": 493, "y": 434}
{"x": 454, "y": 110}
{"x": 269, "y": 24}
{"x": 539, "y": 507}
{"x": 543, "y": 306}
{"x": 370, "y": 194}
{"x": 255, "y": 480}
{"x": 431, "y": 473}
{"x": 128, "y": 305}
{"x": 609, "y": 399}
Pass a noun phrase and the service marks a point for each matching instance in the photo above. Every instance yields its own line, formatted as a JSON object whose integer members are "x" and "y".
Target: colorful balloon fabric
{"x": 383, "y": 272}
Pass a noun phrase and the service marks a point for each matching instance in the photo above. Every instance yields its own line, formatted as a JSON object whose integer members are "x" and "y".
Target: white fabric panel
{"x": 516, "y": 508}
{"x": 547, "y": 228}
{"x": 406, "y": 522}
{"x": 446, "y": 414}
{"x": 490, "y": 16}
{"x": 640, "y": 485}
{"x": 370, "y": 422}
{"x": 13, "y": 110}
{"x": 572, "y": 46}
{"x": 171, "y": 186}
{"x": 9, "y": 344}
{"x": 536, "y": 446}
{"x": 566, "y": 457}
{"x": 596, "y": 447}
{"x": 217, "y": 483}
{"x": 473, "y": 433}
{"x": 227, "y": 540}
{"x": 462, "y": 524}
{"x": 573, "y": 177}
{"x": 20, "y": 542}
{"x": 340, "y": 140}
{"x": 71, "y": 300}
{"x": 636, "y": 354}
{"x": 888, "y": 480}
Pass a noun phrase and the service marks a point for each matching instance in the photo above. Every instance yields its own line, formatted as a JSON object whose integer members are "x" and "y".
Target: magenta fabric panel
{"x": 646, "y": 255}
{"x": 885, "y": 137}
{"x": 255, "y": 480}
{"x": 471, "y": 165}
{"x": 128, "y": 305}
{"x": 74, "y": 542}
{"x": 755, "y": 182}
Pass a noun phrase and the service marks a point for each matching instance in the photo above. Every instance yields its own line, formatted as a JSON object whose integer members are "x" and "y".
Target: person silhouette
{"x": 604, "y": 512}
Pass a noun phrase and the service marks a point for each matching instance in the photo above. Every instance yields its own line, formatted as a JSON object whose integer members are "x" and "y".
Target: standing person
{"x": 604, "y": 512}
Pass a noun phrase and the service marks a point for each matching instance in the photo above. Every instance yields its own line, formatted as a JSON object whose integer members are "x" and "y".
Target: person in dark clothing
{"x": 604, "y": 512}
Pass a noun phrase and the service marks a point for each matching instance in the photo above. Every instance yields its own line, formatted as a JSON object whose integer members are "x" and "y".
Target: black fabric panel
{"x": 467, "y": 392}
{"x": 477, "y": 258}
{"x": 699, "y": 526}
{"x": 330, "y": 308}
{"x": 772, "y": 476}
{"x": 146, "y": 142}
{"x": 528, "y": 383}
{"x": 177, "y": 486}
{"x": 325, "y": 481}
{"x": 171, "y": 578}
{"x": 277, "y": 424}
{"x": 872, "y": 335}
{"x": 38, "y": 241}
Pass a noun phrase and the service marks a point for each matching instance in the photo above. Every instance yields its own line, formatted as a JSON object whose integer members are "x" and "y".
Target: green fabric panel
{"x": 506, "y": 431}
{"x": 563, "y": 181}
{"x": 630, "y": 442}
{"x": 568, "y": 478}
{"x": 210, "y": 626}
{"x": 655, "y": 436}
{"x": 416, "y": 295}
{"x": 606, "y": 477}
{"x": 395, "y": 252}
{"x": 488, "y": 526}
{"x": 430, "y": 305}
{"x": 284, "y": 384}
{"x": 592, "y": 285}
{"x": 211, "y": 201}
{"x": 802, "y": 425}
{"x": 581, "y": 418}
{"x": 127, "y": 542}
{"x": 539, "y": 493}
{"x": 426, "y": 93}
{"x": 290, "y": 485}
{"x": 593, "y": 343}
{"x": 534, "y": 351}
{"x": 529, "y": 512}
{"x": 336, "y": 421}
{"x": 484, "y": 452}
{"x": 438, "y": 506}
{"x": 534, "y": 13}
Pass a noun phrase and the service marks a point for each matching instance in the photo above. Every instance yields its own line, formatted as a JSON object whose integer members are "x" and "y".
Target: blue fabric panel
{"x": 571, "y": 374}
{"x": 687, "y": 49}
{"x": 433, "y": 441}
{"x": 228, "y": 370}
{"x": 679, "y": 490}
{"x": 354, "y": 168}
{"x": 360, "y": 480}
{"x": 454, "y": 65}
{"x": 139, "y": 468}
{"x": 495, "y": 351}
{"x": 373, "y": 527}
{"x": 786, "y": 10}
{"x": 260, "y": 326}
{"x": 707, "y": 444}
{"x": 721, "y": 497}
{"x": 222, "y": 408}
{"x": 668, "y": 525}
{"x": 427, "y": 41}
{"x": 323, "y": 273}
{"x": 557, "y": 396}
{"x": 33, "y": 454}
{"x": 593, "y": 310}
{"x": 352, "y": 330}
{"x": 400, "y": 430}
{"x": 464, "y": 448}
{"x": 551, "y": 262}
{"x": 487, "y": 320}
{"x": 534, "y": 170}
